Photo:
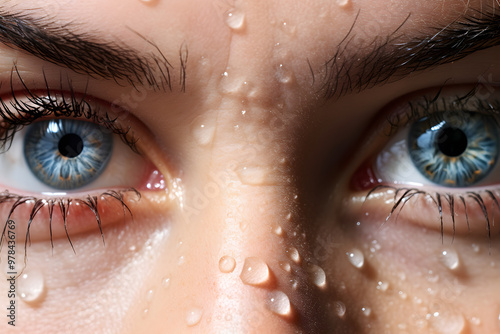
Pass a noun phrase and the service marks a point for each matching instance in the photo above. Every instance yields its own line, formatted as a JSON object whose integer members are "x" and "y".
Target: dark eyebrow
{"x": 392, "y": 58}
{"x": 61, "y": 45}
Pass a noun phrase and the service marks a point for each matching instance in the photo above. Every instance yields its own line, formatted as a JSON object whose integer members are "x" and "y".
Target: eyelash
{"x": 426, "y": 107}
{"x": 42, "y": 106}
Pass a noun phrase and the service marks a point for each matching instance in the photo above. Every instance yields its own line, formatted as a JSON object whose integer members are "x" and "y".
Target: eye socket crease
{"x": 61, "y": 45}
{"x": 395, "y": 56}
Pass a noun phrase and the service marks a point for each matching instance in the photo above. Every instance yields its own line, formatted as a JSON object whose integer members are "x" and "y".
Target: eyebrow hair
{"x": 60, "y": 45}
{"x": 391, "y": 58}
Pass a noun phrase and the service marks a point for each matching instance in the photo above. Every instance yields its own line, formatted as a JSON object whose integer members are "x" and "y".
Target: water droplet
{"x": 255, "y": 271}
{"x": 402, "y": 295}
{"x": 475, "y": 321}
{"x": 366, "y": 311}
{"x": 148, "y": 2}
{"x": 227, "y": 264}
{"x": 356, "y": 258}
{"x": 293, "y": 254}
{"x": 343, "y": 3}
{"x": 278, "y": 230}
{"x": 448, "y": 322}
{"x": 193, "y": 316}
{"x": 279, "y": 303}
{"x": 317, "y": 275}
{"x": 254, "y": 176}
{"x": 235, "y": 19}
{"x": 31, "y": 286}
{"x": 339, "y": 308}
{"x": 284, "y": 75}
{"x": 382, "y": 286}
{"x": 149, "y": 295}
{"x": 165, "y": 282}
{"x": 286, "y": 266}
{"x": 181, "y": 260}
{"x": 449, "y": 258}
{"x": 288, "y": 216}
{"x": 476, "y": 248}
{"x": 432, "y": 278}
{"x": 203, "y": 133}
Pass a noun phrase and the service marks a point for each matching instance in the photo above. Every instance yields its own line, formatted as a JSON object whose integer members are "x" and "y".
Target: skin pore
{"x": 264, "y": 120}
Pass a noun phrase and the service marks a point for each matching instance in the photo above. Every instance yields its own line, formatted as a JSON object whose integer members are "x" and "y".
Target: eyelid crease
{"x": 49, "y": 104}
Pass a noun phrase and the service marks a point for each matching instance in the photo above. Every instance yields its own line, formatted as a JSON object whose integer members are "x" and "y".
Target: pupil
{"x": 70, "y": 145}
{"x": 452, "y": 142}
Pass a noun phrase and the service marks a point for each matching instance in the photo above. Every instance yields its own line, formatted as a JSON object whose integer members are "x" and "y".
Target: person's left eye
{"x": 439, "y": 168}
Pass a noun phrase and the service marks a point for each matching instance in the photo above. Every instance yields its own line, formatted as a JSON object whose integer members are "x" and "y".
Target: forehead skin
{"x": 260, "y": 87}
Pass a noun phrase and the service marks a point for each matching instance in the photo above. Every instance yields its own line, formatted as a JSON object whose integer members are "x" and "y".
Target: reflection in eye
{"x": 67, "y": 154}
{"x": 443, "y": 146}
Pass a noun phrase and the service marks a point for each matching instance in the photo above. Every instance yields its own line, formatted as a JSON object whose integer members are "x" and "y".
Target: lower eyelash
{"x": 91, "y": 203}
{"x": 403, "y": 195}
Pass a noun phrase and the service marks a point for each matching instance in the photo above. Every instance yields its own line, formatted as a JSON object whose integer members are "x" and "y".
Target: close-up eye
{"x": 68, "y": 165}
{"x": 439, "y": 154}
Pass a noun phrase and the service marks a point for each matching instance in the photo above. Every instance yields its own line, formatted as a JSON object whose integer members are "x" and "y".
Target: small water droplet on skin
{"x": 254, "y": 176}
{"x": 448, "y": 322}
{"x": 293, "y": 254}
{"x": 449, "y": 258}
{"x": 235, "y": 19}
{"x": 148, "y": 2}
{"x": 31, "y": 286}
{"x": 475, "y": 321}
{"x": 339, "y": 309}
{"x": 193, "y": 317}
{"x": 356, "y": 258}
{"x": 278, "y": 230}
{"x": 149, "y": 295}
{"x": 165, "y": 282}
{"x": 288, "y": 216}
{"x": 382, "y": 286}
{"x": 254, "y": 272}
{"x": 402, "y": 295}
{"x": 145, "y": 313}
{"x": 227, "y": 264}
{"x": 284, "y": 75}
{"x": 203, "y": 133}
{"x": 181, "y": 260}
{"x": 366, "y": 311}
{"x": 132, "y": 248}
{"x": 317, "y": 275}
{"x": 476, "y": 248}
{"x": 286, "y": 266}
{"x": 278, "y": 303}
{"x": 432, "y": 278}
{"x": 342, "y": 3}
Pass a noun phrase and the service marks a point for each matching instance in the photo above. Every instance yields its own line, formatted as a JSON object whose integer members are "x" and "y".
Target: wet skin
{"x": 261, "y": 146}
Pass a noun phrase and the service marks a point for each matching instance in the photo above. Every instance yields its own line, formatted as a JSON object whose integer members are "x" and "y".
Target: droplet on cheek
{"x": 165, "y": 282}
{"x": 339, "y": 309}
{"x": 446, "y": 322}
{"x": 343, "y": 3}
{"x": 449, "y": 258}
{"x": 203, "y": 133}
{"x": 293, "y": 254}
{"x": 31, "y": 286}
{"x": 227, "y": 264}
{"x": 317, "y": 275}
{"x": 285, "y": 266}
{"x": 193, "y": 316}
{"x": 255, "y": 271}
{"x": 356, "y": 258}
{"x": 279, "y": 303}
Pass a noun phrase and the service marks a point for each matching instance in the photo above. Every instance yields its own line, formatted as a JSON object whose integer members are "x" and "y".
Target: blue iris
{"x": 454, "y": 150}
{"x": 67, "y": 154}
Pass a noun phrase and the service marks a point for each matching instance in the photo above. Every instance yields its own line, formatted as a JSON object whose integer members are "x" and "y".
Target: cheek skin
{"x": 405, "y": 282}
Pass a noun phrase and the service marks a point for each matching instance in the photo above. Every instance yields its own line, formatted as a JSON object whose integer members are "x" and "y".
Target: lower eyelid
{"x": 113, "y": 207}
{"x": 419, "y": 207}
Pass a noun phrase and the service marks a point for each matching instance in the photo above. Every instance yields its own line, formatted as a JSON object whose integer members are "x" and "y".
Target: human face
{"x": 262, "y": 127}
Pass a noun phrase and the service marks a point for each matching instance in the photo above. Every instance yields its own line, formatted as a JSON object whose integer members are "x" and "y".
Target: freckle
{"x": 254, "y": 272}
{"x": 356, "y": 258}
{"x": 227, "y": 264}
{"x": 193, "y": 316}
{"x": 293, "y": 254}
{"x": 279, "y": 303}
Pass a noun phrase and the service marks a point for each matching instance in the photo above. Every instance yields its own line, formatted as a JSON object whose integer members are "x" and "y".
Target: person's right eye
{"x": 439, "y": 168}
{"x": 71, "y": 165}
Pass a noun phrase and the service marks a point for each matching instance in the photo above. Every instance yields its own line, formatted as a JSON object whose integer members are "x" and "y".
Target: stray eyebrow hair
{"x": 60, "y": 45}
{"x": 393, "y": 58}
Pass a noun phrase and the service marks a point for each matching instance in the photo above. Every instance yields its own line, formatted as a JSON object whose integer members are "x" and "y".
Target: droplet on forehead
{"x": 343, "y": 3}
{"x": 193, "y": 316}
{"x": 227, "y": 264}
